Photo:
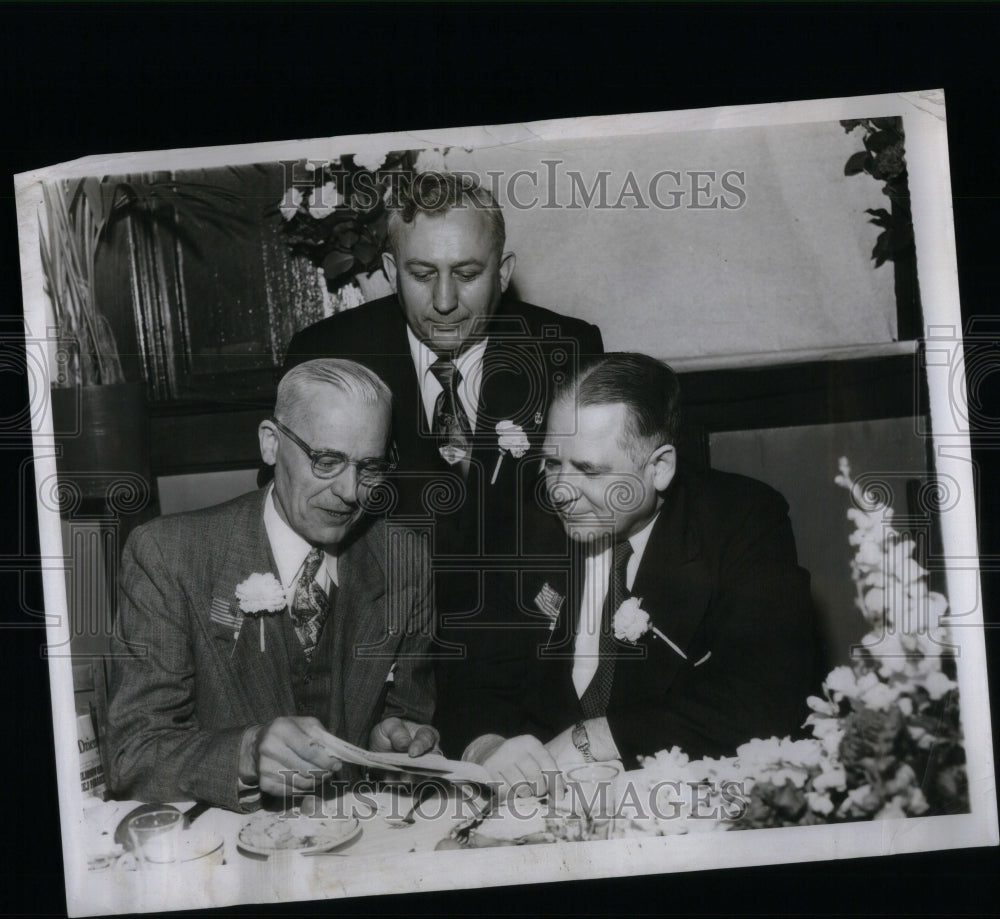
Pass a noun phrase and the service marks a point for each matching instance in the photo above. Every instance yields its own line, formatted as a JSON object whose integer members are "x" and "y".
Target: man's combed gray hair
{"x": 436, "y": 193}
{"x": 648, "y": 389}
{"x": 349, "y": 377}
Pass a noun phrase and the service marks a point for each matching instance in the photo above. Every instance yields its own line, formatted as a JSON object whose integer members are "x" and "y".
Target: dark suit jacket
{"x": 182, "y": 691}
{"x": 718, "y": 577}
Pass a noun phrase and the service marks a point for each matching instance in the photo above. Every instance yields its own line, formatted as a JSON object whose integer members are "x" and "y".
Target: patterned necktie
{"x": 310, "y": 605}
{"x": 450, "y": 424}
{"x": 596, "y": 696}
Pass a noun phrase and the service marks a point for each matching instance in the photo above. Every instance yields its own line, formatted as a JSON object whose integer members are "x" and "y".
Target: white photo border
{"x": 928, "y": 165}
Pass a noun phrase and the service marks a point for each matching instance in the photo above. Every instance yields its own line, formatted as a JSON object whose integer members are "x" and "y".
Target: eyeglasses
{"x": 328, "y": 464}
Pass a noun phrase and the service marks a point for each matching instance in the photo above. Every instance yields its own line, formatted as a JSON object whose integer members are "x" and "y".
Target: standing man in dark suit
{"x": 685, "y": 620}
{"x": 472, "y": 373}
{"x": 254, "y": 630}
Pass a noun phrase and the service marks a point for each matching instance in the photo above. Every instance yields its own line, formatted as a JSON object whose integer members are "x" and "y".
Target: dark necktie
{"x": 310, "y": 605}
{"x": 596, "y": 696}
{"x": 450, "y": 424}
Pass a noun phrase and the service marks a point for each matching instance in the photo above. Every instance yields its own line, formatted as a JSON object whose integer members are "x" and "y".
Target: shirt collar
{"x": 640, "y": 539}
{"x": 290, "y": 549}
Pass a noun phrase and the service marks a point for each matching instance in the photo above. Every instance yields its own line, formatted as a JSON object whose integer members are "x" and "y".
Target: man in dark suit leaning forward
{"x": 254, "y": 630}
{"x": 472, "y": 370}
{"x": 684, "y": 619}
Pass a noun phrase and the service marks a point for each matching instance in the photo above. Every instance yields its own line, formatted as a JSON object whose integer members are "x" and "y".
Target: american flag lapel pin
{"x": 227, "y": 614}
{"x": 550, "y": 601}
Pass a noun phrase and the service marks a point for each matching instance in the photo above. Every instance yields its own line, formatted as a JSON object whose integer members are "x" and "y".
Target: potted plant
{"x": 336, "y": 215}
{"x": 99, "y": 417}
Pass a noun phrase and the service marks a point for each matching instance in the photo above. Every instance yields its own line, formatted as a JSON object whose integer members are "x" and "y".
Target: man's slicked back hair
{"x": 647, "y": 387}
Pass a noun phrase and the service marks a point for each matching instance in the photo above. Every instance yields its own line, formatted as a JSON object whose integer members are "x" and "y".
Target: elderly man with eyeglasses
{"x": 252, "y": 632}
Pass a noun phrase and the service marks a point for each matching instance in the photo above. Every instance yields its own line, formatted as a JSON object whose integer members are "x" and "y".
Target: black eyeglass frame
{"x": 369, "y": 470}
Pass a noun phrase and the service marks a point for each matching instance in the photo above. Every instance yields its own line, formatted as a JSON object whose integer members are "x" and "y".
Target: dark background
{"x": 79, "y": 80}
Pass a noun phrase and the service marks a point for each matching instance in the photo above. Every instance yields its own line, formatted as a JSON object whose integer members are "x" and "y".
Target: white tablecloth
{"x": 242, "y": 877}
{"x": 375, "y": 811}
{"x": 366, "y": 863}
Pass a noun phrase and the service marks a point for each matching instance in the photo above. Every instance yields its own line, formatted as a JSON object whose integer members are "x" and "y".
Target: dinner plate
{"x": 266, "y": 833}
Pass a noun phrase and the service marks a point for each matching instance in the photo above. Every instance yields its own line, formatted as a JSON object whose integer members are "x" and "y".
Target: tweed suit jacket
{"x": 184, "y": 687}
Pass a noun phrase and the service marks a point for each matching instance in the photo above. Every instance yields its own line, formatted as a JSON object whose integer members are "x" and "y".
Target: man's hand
{"x": 397, "y": 735}
{"x": 292, "y": 755}
{"x": 521, "y": 763}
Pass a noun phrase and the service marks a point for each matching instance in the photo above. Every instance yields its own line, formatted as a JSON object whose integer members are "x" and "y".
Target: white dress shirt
{"x": 596, "y": 580}
{"x": 469, "y": 364}
{"x": 290, "y": 550}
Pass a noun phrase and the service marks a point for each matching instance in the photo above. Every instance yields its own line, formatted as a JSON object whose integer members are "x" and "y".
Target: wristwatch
{"x": 581, "y": 741}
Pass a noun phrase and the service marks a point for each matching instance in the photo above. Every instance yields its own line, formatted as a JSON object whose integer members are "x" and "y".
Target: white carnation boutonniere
{"x": 510, "y": 439}
{"x": 631, "y": 622}
{"x": 260, "y": 594}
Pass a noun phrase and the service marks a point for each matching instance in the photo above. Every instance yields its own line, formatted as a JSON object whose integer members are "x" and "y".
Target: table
{"x": 376, "y": 811}
{"x": 367, "y": 863}
{"x": 246, "y": 877}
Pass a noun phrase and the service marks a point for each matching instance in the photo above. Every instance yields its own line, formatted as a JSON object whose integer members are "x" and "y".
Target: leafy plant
{"x": 79, "y": 213}
{"x": 884, "y": 159}
{"x": 338, "y": 220}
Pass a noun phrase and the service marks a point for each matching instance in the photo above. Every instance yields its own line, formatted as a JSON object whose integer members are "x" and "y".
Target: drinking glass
{"x": 591, "y": 795}
{"x": 155, "y": 836}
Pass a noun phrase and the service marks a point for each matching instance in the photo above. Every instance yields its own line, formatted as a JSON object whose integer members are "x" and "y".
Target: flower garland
{"x": 887, "y": 741}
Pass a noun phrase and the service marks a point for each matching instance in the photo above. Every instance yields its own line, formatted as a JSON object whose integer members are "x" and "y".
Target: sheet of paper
{"x": 430, "y": 764}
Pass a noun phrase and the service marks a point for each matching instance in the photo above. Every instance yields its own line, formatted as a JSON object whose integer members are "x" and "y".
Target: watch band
{"x": 582, "y": 741}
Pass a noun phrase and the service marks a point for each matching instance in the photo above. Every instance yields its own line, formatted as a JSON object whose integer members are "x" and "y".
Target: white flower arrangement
{"x": 371, "y": 159}
{"x": 431, "y": 160}
{"x": 319, "y": 203}
{"x": 887, "y": 741}
{"x": 510, "y": 439}
{"x": 262, "y": 593}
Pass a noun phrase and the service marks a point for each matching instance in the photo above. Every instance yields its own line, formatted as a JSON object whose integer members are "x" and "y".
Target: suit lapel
{"x": 261, "y": 679}
{"x": 506, "y": 390}
{"x": 556, "y": 697}
{"x": 674, "y": 586}
{"x": 366, "y": 646}
{"x": 514, "y": 383}
{"x": 409, "y": 420}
